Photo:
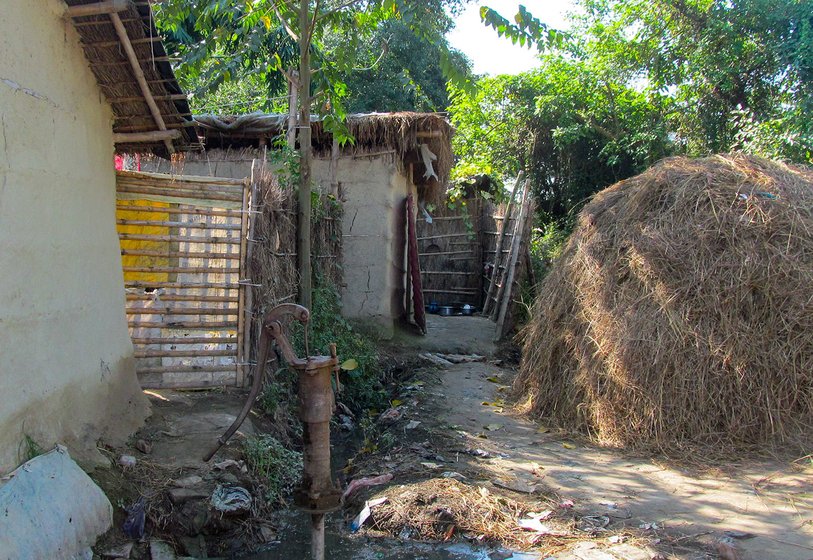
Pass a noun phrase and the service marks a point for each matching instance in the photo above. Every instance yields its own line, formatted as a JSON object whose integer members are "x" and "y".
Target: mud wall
{"x": 373, "y": 192}
{"x": 66, "y": 361}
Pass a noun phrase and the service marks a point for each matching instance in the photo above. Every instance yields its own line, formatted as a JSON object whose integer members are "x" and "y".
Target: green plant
{"x": 278, "y": 468}
{"x": 278, "y": 391}
{"x": 31, "y": 448}
{"x": 362, "y": 388}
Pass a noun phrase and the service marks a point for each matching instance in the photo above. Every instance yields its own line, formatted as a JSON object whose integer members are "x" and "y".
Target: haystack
{"x": 681, "y": 311}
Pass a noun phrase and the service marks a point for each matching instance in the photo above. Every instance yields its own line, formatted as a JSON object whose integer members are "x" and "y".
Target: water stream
{"x": 341, "y": 544}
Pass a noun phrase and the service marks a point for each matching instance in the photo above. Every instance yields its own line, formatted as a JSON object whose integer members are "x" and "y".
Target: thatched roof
{"x": 402, "y": 133}
{"x": 111, "y": 32}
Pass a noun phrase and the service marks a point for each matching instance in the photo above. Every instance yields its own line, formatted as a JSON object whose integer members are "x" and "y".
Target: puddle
{"x": 340, "y": 544}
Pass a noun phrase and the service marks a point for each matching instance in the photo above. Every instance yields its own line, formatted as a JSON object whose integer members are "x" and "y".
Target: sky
{"x": 492, "y": 54}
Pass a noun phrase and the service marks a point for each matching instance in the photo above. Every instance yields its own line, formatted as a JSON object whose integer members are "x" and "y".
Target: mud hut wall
{"x": 450, "y": 251}
{"x": 373, "y": 191}
{"x": 66, "y": 360}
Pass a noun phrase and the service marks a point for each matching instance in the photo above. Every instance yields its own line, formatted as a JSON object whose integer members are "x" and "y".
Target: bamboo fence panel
{"x": 183, "y": 245}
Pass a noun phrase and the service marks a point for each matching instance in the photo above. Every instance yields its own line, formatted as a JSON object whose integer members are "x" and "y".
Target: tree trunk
{"x": 304, "y": 127}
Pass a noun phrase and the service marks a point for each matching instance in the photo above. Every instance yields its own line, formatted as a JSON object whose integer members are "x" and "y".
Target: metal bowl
{"x": 446, "y": 310}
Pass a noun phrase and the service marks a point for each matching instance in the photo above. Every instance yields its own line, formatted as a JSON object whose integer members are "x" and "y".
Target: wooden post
{"x": 334, "y": 168}
{"x": 99, "y": 8}
{"x": 507, "y": 284}
{"x": 142, "y": 137}
{"x": 241, "y": 315}
{"x": 293, "y": 100}
{"x": 140, "y": 78}
{"x": 304, "y": 127}
{"x": 495, "y": 273}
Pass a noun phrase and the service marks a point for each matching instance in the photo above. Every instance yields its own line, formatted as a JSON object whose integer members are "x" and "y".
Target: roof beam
{"x": 140, "y": 78}
{"x": 145, "y": 137}
{"x": 99, "y": 8}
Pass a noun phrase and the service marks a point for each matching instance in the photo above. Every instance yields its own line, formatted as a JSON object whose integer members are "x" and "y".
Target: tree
{"x": 569, "y": 126}
{"x": 740, "y": 73}
{"x": 237, "y": 39}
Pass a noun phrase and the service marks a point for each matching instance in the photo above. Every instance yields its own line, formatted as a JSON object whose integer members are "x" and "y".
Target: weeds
{"x": 278, "y": 468}
{"x": 362, "y": 388}
{"x": 31, "y": 448}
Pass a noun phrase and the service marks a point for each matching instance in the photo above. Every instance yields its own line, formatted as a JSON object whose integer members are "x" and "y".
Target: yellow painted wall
{"x": 66, "y": 360}
{"x": 140, "y": 245}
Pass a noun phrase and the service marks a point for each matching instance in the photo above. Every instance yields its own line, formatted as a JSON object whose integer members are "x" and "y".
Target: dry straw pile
{"x": 681, "y": 311}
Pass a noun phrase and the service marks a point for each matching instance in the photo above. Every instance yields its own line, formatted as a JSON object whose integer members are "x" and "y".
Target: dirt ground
{"x": 760, "y": 509}
{"x": 453, "y": 433}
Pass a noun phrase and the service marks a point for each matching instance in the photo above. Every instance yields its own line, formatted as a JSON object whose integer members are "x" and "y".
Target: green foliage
{"x": 252, "y": 45}
{"x": 279, "y": 468}
{"x": 31, "y": 448}
{"x": 739, "y": 75}
{"x": 546, "y": 245}
{"x": 526, "y": 30}
{"x": 362, "y": 388}
{"x": 571, "y": 128}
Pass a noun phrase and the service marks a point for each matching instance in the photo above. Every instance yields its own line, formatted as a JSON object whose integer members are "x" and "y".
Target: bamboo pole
{"x": 117, "y": 44}
{"x": 186, "y": 340}
{"x": 188, "y": 285}
{"x": 508, "y": 282}
{"x": 193, "y": 179}
{"x": 190, "y": 211}
{"x": 180, "y": 238}
{"x": 181, "y": 297}
{"x": 179, "y": 186}
{"x": 443, "y": 236}
{"x": 182, "y": 269}
{"x": 140, "y": 78}
{"x": 449, "y": 273}
{"x": 145, "y": 137}
{"x": 463, "y": 291}
{"x": 99, "y": 8}
{"x": 444, "y": 253}
{"x": 202, "y": 191}
{"x": 201, "y": 325}
{"x": 225, "y": 368}
{"x": 177, "y": 193}
{"x": 498, "y": 249}
{"x": 293, "y": 101}
{"x": 187, "y": 225}
{"x": 248, "y": 311}
{"x": 181, "y": 255}
{"x": 181, "y": 353}
{"x": 181, "y": 311}
{"x": 241, "y": 294}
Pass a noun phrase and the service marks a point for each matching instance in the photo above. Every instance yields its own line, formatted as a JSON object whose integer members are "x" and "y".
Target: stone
{"x": 187, "y": 482}
{"x": 159, "y": 550}
{"x": 181, "y": 495}
{"x": 122, "y": 551}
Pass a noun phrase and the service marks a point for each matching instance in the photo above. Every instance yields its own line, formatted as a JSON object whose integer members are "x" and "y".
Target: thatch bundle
{"x": 681, "y": 310}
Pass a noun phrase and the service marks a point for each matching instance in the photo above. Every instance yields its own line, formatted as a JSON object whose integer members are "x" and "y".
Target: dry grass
{"x": 274, "y": 261}
{"x": 110, "y": 65}
{"x": 439, "y": 509}
{"x": 681, "y": 311}
{"x": 373, "y": 133}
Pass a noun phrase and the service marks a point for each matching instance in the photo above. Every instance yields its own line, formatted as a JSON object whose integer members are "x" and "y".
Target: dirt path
{"x": 771, "y": 501}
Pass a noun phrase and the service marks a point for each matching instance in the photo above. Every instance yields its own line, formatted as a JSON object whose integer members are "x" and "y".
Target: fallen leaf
{"x": 493, "y": 379}
{"x": 568, "y": 445}
{"x": 481, "y": 435}
{"x": 395, "y": 403}
{"x": 349, "y": 365}
{"x": 542, "y": 430}
{"x": 485, "y": 403}
{"x": 431, "y": 466}
{"x": 412, "y": 425}
{"x": 493, "y": 427}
